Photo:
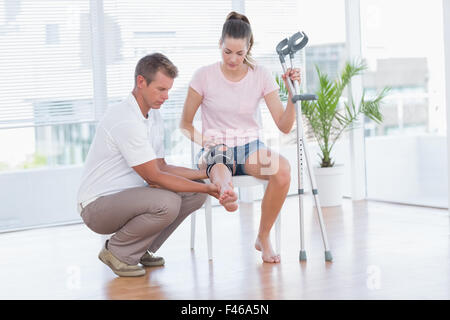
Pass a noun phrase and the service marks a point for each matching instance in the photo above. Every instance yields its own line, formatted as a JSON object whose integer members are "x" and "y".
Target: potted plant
{"x": 327, "y": 118}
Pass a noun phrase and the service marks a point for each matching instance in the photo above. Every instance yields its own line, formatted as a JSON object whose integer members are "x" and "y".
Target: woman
{"x": 229, "y": 92}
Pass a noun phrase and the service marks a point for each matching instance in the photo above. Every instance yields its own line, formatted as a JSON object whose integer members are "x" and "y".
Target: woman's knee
{"x": 282, "y": 176}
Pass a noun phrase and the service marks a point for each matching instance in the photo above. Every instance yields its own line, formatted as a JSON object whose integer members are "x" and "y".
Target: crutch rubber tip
{"x": 328, "y": 256}
{"x": 302, "y": 256}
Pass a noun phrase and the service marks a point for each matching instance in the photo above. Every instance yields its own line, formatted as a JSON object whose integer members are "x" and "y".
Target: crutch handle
{"x": 304, "y": 97}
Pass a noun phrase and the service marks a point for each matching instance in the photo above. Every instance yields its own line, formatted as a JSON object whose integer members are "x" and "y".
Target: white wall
{"x": 39, "y": 197}
{"x": 410, "y": 169}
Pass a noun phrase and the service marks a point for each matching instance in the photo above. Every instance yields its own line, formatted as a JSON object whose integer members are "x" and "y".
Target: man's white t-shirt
{"x": 124, "y": 139}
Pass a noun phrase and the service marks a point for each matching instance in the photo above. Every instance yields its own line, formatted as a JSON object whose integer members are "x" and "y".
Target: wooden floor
{"x": 380, "y": 251}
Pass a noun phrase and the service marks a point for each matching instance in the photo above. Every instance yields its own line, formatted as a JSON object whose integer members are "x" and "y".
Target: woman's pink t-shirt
{"x": 229, "y": 109}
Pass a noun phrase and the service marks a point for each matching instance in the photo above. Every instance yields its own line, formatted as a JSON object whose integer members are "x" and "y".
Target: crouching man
{"x": 127, "y": 188}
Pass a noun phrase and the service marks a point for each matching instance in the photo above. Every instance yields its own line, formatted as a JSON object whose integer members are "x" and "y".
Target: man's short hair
{"x": 149, "y": 65}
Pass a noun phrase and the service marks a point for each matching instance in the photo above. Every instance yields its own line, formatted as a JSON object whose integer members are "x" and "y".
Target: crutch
{"x": 290, "y": 46}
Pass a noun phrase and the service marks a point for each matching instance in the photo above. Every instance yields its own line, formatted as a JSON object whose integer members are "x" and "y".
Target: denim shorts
{"x": 241, "y": 154}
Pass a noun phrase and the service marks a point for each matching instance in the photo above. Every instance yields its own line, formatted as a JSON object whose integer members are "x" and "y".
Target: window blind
{"x": 45, "y": 76}
{"x": 48, "y": 53}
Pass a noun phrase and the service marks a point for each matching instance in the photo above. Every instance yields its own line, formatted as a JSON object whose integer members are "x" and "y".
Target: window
{"x": 43, "y": 81}
{"x": 406, "y": 155}
{"x": 57, "y": 77}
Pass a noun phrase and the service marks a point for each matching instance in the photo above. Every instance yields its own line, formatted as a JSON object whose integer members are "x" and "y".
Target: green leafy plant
{"x": 327, "y": 118}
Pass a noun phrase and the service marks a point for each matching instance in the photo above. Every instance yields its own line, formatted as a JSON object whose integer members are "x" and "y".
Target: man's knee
{"x": 171, "y": 207}
{"x": 199, "y": 200}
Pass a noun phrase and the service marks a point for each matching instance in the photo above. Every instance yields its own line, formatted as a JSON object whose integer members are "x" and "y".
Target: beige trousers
{"x": 140, "y": 218}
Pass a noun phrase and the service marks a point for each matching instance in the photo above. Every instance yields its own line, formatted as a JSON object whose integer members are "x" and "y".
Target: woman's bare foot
{"x": 228, "y": 199}
{"x": 267, "y": 253}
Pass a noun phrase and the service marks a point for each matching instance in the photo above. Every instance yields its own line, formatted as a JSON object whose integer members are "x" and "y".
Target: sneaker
{"x": 150, "y": 260}
{"x": 118, "y": 267}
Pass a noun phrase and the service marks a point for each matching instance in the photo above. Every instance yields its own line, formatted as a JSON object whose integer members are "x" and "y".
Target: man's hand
{"x": 220, "y": 187}
{"x": 213, "y": 190}
{"x": 225, "y": 193}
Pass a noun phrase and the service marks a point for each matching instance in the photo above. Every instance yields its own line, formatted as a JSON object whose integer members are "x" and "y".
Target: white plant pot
{"x": 330, "y": 185}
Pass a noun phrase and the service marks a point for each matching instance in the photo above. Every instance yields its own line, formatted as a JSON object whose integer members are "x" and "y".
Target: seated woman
{"x": 229, "y": 93}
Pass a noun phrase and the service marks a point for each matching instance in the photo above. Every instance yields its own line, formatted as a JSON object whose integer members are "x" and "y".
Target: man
{"x": 127, "y": 188}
